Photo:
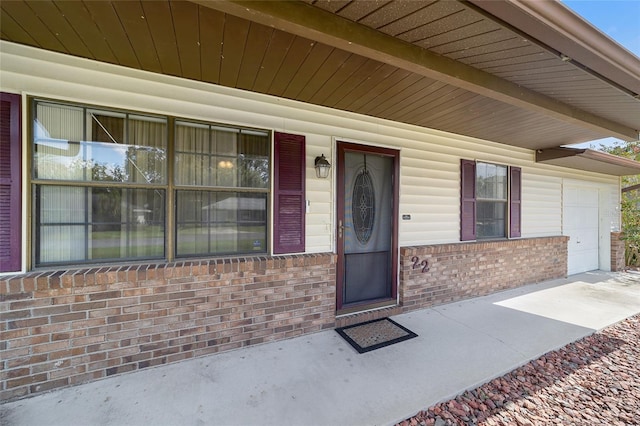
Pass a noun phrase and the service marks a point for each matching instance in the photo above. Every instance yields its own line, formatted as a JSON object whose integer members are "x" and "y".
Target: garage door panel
{"x": 580, "y": 224}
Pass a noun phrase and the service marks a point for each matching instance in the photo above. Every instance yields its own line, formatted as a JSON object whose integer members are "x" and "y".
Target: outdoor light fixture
{"x": 322, "y": 167}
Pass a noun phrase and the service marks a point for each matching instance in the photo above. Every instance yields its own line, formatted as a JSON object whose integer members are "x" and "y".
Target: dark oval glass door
{"x": 366, "y": 225}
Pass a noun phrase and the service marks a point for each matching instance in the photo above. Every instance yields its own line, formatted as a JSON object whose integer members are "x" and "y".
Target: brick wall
{"x": 61, "y": 328}
{"x": 68, "y": 327}
{"x": 461, "y": 271}
{"x": 618, "y": 261}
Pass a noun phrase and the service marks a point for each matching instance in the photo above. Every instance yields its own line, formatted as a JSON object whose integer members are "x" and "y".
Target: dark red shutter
{"x": 289, "y": 196}
{"x": 10, "y": 202}
{"x": 467, "y": 200}
{"x": 515, "y": 202}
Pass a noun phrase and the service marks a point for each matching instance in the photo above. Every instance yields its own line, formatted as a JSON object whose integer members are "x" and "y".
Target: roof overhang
{"x": 529, "y": 74}
{"x": 588, "y": 160}
{"x": 555, "y": 25}
{"x": 305, "y": 20}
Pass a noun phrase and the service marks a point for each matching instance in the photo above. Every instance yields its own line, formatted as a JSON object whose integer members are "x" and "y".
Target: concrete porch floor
{"x": 320, "y": 380}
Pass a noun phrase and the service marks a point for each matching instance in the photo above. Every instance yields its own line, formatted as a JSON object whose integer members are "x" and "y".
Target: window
{"x": 222, "y": 181}
{"x": 99, "y": 184}
{"x": 490, "y": 200}
{"x": 105, "y": 188}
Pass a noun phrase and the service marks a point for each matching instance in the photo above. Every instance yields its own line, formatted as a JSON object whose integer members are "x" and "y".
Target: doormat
{"x": 376, "y": 334}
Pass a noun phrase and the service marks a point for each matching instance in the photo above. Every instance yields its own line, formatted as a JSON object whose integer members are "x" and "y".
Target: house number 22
{"x": 417, "y": 263}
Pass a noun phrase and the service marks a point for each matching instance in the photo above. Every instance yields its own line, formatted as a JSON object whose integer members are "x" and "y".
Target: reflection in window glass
{"x": 491, "y": 195}
{"x": 491, "y": 219}
{"x": 100, "y": 185}
{"x": 220, "y": 223}
{"x": 57, "y": 132}
{"x": 79, "y": 224}
{"x": 221, "y": 157}
{"x": 74, "y": 143}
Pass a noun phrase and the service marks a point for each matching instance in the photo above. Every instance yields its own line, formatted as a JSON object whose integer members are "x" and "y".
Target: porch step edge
{"x": 358, "y": 317}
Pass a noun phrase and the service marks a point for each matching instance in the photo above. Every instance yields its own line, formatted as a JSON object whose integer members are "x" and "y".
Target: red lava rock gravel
{"x": 594, "y": 381}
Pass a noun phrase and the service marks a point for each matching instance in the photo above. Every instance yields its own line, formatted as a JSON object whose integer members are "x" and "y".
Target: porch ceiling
{"x": 446, "y": 65}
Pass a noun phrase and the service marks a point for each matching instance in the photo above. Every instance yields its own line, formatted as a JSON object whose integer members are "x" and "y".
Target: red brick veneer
{"x": 62, "y": 328}
{"x": 463, "y": 270}
{"x": 67, "y": 327}
{"x": 618, "y": 261}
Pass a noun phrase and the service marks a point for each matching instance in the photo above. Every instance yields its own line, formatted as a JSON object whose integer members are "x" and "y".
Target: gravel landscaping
{"x": 594, "y": 381}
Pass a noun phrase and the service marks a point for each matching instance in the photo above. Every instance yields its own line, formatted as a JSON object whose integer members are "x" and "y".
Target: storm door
{"x": 367, "y": 226}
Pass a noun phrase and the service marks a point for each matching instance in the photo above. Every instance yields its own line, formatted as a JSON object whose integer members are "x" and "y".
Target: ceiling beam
{"x": 307, "y": 21}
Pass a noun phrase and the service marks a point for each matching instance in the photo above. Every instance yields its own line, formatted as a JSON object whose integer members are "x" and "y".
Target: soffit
{"x": 202, "y": 42}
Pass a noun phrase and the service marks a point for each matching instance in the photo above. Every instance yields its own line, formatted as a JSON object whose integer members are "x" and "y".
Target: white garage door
{"x": 580, "y": 224}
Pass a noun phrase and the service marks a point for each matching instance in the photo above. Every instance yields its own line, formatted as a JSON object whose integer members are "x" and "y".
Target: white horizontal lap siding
{"x": 428, "y": 193}
{"x": 319, "y": 195}
{"x": 429, "y": 162}
{"x": 541, "y": 204}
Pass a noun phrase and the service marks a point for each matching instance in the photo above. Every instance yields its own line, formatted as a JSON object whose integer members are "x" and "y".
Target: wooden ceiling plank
{"x": 437, "y": 109}
{"x": 21, "y": 12}
{"x": 186, "y": 21}
{"x": 484, "y": 42}
{"x": 550, "y": 76}
{"x": 392, "y": 76}
{"x": 297, "y": 53}
{"x": 257, "y": 44}
{"x": 448, "y": 28}
{"x": 82, "y": 23}
{"x": 484, "y": 49}
{"x": 58, "y": 25}
{"x": 159, "y": 18}
{"x": 546, "y": 66}
{"x": 350, "y": 66}
{"x": 401, "y": 90}
{"x": 418, "y": 96}
{"x": 105, "y": 18}
{"x": 279, "y": 46}
{"x": 331, "y": 5}
{"x": 362, "y": 76}
{"x": 420, "y": 18}
{"x": 234, "y": 41}
{"x": 472, "y": 110}
{"x": 497, "y": 64}
{"x": 435, "y": 100}
{"x": 12, "y": 31}
{"x": 328, "y": 68}
{"x": 318, "y": 55}
{"x": 365, "y": 86}
{"x": 131, "y": 16}
{"x": 357, "y": 10}
{"x": 309, "y": 21}
{"x": 499, "y": 120}
{"x": 456, "y": 30}
{"x": 391, "y": 12}
{"x": 211, "y": 26}
{"x": 514, "y": 52}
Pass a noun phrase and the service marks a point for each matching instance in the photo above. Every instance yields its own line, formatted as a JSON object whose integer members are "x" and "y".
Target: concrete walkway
{"x": 320, "y": 380}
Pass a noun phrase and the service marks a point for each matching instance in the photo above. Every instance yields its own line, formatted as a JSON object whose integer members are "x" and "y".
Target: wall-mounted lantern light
{"x": 322, "y": 167}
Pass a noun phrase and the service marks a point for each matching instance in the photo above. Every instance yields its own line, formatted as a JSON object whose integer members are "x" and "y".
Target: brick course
{"x": 618, "y": 261}
{"x": 60, "y": 328}
{"x": 464, "y": 270}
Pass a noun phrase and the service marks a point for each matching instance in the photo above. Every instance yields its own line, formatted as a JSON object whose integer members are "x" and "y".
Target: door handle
{"x": 340, "y": 229}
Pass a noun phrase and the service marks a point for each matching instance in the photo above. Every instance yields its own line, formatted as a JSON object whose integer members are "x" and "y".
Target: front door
{"x": 367, "y": 226}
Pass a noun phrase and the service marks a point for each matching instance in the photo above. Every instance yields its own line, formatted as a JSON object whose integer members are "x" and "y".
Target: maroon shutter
{"x": 467, "y": 200}
{"x": 289, "y": 194}
{"x": 515, "y": 202}
{"x": 10, "y": 213}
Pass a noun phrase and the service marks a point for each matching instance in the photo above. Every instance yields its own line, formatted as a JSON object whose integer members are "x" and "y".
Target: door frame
{"x": 341, "y": 148}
